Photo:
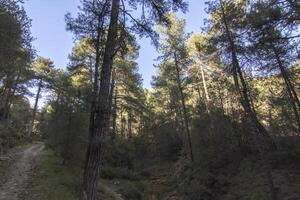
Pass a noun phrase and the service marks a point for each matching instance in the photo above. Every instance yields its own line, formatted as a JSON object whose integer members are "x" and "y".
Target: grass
{"x": 152, "y": 182}
{"x": 53, "y": 181}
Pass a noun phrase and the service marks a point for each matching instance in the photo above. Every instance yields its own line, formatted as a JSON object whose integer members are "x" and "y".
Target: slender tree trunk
{"x": 114, "y": 122}
{"x": 261, "y": 136}
{"x": 243, "y": 90}
{"x": 207, "y": 103}
{"x": 101, "y": 124}
{"x": 184, "y": 110}
{"x": 205, "y": 88}
{"x": 294, "y": 100}
{"x": 141, "y": 121}
{"x": 37, "y": 97}
{"x": 199, "y": 92}
{"x": 10, "y": 90}
{"x": 112, "y": 88}
{"x": 122, "y": 124}
{"x": 178, "y": 115}
{"x": 129, "y": 125}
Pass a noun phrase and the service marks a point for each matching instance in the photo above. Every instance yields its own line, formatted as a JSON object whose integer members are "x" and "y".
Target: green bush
{"x": 109, "y": 172}
{"x": 131, "y": 191}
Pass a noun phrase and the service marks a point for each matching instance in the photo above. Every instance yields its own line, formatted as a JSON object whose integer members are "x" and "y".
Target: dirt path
{"x": 19, "y": 173}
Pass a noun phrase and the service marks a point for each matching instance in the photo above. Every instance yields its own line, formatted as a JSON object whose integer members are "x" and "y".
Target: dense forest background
{"x": 222, "y": 120}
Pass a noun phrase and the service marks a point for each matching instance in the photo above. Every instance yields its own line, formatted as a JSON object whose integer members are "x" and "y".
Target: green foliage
{"x": 14, "y": 132}
{"x": 168, "y": 142}
{"x": 15, "y": 73}
{"x": 118, "y": 173}
{"x": 53, "y": 180}
{"x": 66, "y": 133}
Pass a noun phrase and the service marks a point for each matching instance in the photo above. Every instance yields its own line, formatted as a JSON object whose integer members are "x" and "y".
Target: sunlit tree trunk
{"x": 207, "y": 100}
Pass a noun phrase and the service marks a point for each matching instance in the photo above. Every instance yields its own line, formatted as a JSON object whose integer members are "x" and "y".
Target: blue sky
{"x": 54, "y": 42}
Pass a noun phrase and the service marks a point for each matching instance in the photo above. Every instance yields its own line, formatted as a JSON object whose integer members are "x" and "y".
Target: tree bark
{"x": 184, "y": 110}
{"x": 37, "y": 97}
{"x": 95, "y": 90}
{"x": 101, "y": 124}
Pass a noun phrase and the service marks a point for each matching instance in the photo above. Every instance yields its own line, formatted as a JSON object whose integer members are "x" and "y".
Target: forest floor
{"x": 15, "y": 181}
{"x": 35, "y": 172}
{"x": 152, "y": 181}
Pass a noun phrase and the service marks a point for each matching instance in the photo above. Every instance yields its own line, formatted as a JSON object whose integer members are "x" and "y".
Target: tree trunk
{"x": 242, "y": 90}
{"x": 114, "y": 121}
{"x": 10, "y": 90}
{"x": 129, "y": 125}
{"x": 37, "y": 97}
{"x": 294, "y": 100}
{"x": 184, "y": 110}
{"x": 205, "y": 88}
{"x": 122, "y": 124}
{"x": 112, "y": 88}
{"x": 261, "y": 136}
{"x": 101, "y": 124}
{"x": 95, "y": 90}
{"x": 207, "y": 103}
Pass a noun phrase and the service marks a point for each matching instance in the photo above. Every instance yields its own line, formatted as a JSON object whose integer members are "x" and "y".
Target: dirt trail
{"x": 20, "y": 173}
